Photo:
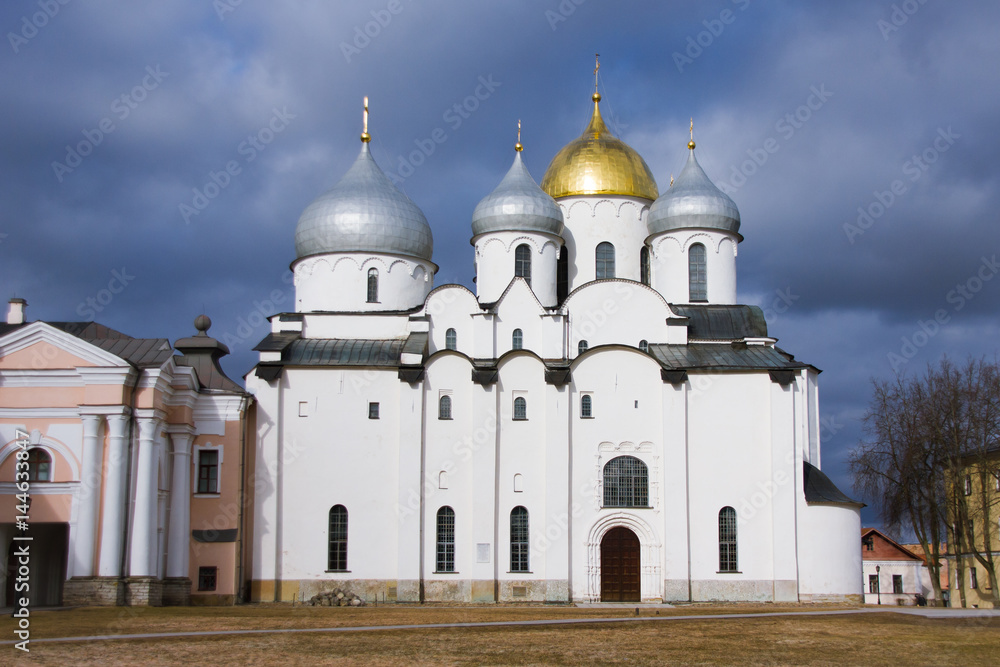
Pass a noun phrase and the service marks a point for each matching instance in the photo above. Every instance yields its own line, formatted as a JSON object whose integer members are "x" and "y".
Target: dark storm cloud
{"x": 804, "y": 111}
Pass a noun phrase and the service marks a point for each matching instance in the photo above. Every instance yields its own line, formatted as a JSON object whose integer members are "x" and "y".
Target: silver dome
{"x": 364, "y": 212}
{"x": 693, "y": 201}
{"x": 517, "y": 204}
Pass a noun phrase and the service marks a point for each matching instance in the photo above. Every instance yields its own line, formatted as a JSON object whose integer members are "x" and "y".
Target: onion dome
{"x": 364, "y": 212}
{"x": 517, "y": 204}
{"x": 598, "y": 163}
{"x": 693, "y": 201}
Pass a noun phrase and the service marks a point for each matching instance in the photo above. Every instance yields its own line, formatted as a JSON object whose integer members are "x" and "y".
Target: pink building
{"x": 130, "y": 454}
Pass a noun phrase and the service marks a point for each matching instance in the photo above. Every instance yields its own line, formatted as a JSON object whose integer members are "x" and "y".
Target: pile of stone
{"x": 336, "y": 598}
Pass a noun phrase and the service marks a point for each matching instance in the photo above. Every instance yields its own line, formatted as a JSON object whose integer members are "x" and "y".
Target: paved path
{"x": 926, "y": 612}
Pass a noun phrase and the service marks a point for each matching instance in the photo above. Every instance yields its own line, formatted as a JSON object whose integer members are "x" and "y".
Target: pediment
{"x": 39, "y": 346}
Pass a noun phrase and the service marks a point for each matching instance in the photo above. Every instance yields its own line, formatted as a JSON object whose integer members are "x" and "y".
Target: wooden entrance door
{"x": 620, "y": 566}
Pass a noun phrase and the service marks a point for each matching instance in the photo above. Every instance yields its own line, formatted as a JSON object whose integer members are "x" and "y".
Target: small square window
{"x": 207, "y": 578}
{"x": 373, "y": 411}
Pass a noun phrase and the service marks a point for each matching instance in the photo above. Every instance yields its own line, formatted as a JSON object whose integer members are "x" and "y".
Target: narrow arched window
{"x": 697, "y": 273}
{"x": 520, "y": 408}
{"x": 582, "y": 347}
{"x": 605, "y": 260}
{"x": 519, "y": 539}
{"x": 626, "y": 483}
{"x": 444, "y": 407}
{"x": 522, "y": 262}
{"x": 445, "y": 540}
{"x": 450, "y": 339}
{"x": 336, "y": 552}
{"x": 727, "y": 540}
{"x": 39, "y": 465}
{"x": 372, "y": 285}
{"x": 644, "y": 266}
{"x": 586, "y": 406}
{"x": 517, "y": 340}
{"x": 644, "y": 345}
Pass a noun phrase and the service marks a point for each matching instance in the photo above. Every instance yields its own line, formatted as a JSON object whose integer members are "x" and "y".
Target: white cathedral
{"x": 599, "y": 421}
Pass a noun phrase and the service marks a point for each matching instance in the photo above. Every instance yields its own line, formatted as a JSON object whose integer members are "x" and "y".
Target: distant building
{"x": 979, "y": 481}
{"x": 892, "y": 574}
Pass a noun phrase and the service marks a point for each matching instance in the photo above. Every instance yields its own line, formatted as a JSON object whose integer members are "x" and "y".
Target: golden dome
{"x": 598, "y": 163}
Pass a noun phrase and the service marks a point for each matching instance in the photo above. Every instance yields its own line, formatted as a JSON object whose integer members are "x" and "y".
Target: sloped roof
{"x": 820, "y": 489}
{"x": 140, "y": 352}
{"x": 723, "y": 322}
{"x": 715, "y": 356}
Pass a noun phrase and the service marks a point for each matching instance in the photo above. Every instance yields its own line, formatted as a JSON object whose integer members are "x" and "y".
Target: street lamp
{"x": 878, "y": 583}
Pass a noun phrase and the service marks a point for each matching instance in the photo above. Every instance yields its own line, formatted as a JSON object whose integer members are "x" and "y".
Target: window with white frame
{"x": 644, "y": 345}
{"x": 582, "y": 347}
{"x": 605, "y": 256}
{"x": 519, "y": 539}
{"x": 208, "y": 461}
{"x": 586, "y": 406}
{"x": 445, "y": 561}
{"x": 450, "y": 339}
{"x": 373, "y": 285}
{"x": 897, "y": 584}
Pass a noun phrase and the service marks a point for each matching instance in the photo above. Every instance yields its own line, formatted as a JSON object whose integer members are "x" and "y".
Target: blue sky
{"x": 859, "y": 140}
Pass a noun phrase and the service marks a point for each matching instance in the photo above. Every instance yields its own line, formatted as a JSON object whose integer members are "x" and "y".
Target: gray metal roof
{"x": 343, "y": 352}
{"x": 722, "y": 356}
{"x": 819, "y": 488}
{"x": 517, "y": 204}
{"x": 693, "y": 201}
{"x": 364, "y": 212}
{"x": 277, "y": 341}
{"x": 140, "y": 352}
{"x": 723, "y": 322}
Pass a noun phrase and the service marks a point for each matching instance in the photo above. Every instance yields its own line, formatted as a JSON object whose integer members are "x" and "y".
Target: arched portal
{"x": 620, "y": 580}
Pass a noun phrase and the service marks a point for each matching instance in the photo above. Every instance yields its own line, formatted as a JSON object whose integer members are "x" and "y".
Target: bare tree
{"x": 924, "y": 436}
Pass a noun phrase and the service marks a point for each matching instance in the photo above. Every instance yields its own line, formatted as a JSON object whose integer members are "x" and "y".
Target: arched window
{"x": 605, "y": 260}
{"x": 520, "y": 408}
{"x": 444, "y": 407}
{"x": 697, "y": 273}
{"x": 586, "y": 406}
{"x": 519, "y": 539}
{"x": 582, "y": 347}
{"x": 336, "y": 551}
{"x": 372, "y": 285}
{"x": 626, "y": 483}
{"x": 522, "y": 262}
{"x": 644, "y": 345}
{"x": 644, "y": 266}
{"x": 516, "y": 340}
{"x": 450, "y": 339}
{"x": 39, "y": 465}
{"x": 727, "y": 540}
{"x": 445, "y": 540}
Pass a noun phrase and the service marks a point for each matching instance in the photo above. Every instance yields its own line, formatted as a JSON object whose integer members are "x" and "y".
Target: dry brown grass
{"x": 868, "y": 639}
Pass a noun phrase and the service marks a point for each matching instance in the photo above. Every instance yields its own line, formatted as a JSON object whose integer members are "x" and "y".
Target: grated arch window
{"x": 626, "y": 483}
{"x": 444, "y": 407}
{"x": 728, "y": 561}
{"x": 445, "y": 561}
{"x": 336, "y": 553}
{"x": 586, "y": 406}
{"x": 644, "y": 345}
{"x": 522, "y": 262}
{"x": 372, "y": 285}
{"x": 644, "y": 277}
{"x": 582, "y": 347}
{"x": 520, "y": 408}
{"x": 519, "y": 539}
{"x": 517, "y": 340}
{"x": 450, "y": 339}
{"x": 697, "y": 273}
{"x": 605, "y": 260}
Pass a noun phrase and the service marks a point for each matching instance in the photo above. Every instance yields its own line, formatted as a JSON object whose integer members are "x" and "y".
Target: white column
{"x": 89, "y": 499}
{"x": 114, "y": 498}
{"x": 180, "y": 507}
{"x": 143, "y": 546}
